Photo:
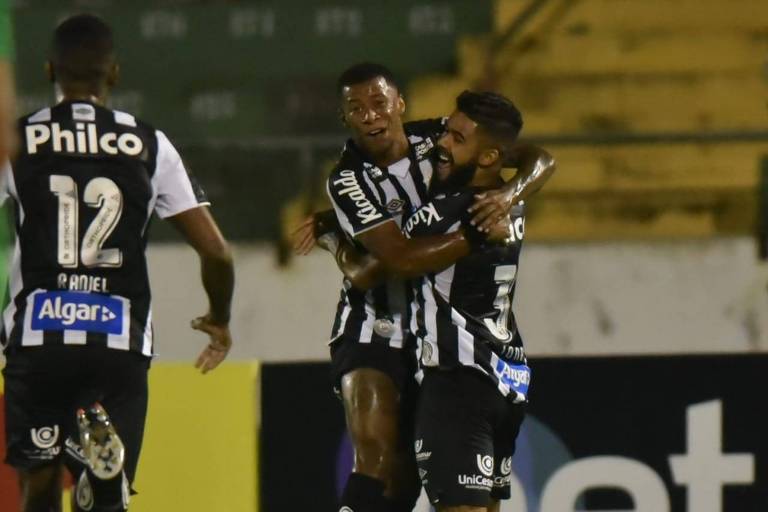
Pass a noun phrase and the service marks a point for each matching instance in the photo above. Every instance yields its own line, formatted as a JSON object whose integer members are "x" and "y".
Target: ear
{"x": 113, "y": 77}
{"x": 400, "y": 105}
{"x": 489, "y": 157}
{"x": 49, "y": 73}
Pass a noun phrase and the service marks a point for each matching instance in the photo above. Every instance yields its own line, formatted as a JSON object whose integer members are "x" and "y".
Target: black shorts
{"x": 44, "y": 387}
{"x": 350, "y": 354}
{"x": 465, "y": 438}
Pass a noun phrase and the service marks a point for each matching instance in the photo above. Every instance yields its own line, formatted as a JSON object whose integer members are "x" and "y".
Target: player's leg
{"x": 41, "y": 488}
{"x": 371, "y": 405}
{"x": 102, "y": 478}
{"x": 405, "y": 487}
{"x": 454, "y": 440}
{"x": 35, "y": 411}
{"x": 509, "y": 419}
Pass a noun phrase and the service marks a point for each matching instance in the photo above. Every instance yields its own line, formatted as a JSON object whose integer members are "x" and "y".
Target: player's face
{"x": 458, "y": 150}
{"x": 373, "y": 110}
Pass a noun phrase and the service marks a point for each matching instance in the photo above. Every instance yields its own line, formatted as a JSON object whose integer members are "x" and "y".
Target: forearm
{"x": 218, "y": 276}
{"x": 535, "y": 166}
{"x": 419, "y": 256}
{"x": 363, "y": 271}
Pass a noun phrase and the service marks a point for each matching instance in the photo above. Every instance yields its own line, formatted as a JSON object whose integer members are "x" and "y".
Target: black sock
{"x": 363, "y": 494}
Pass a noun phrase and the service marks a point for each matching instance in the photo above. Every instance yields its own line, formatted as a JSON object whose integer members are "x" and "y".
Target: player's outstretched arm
{"x": 218, "y": 276}
{"x": 534, "y": 167}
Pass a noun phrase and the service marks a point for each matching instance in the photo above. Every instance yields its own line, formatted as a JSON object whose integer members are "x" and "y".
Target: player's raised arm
{"x": 534, "y": 167}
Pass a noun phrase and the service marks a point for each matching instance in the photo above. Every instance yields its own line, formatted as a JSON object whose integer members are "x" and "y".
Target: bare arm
{"x": 364, "y": 271}
{"x": 535, "y": 166}
{"x": 405, "y": 258}
{"x": 218, "y": 276}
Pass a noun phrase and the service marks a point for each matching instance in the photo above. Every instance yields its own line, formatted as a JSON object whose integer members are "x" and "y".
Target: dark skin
{"x": 466, "y": 144}
{"x": 40, "y": 487}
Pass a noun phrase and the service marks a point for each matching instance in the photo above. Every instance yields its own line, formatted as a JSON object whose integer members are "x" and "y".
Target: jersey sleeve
{"x": 356, "y": 201}
{"x": 177, "y": 191}
{"x": 5, "y": 182}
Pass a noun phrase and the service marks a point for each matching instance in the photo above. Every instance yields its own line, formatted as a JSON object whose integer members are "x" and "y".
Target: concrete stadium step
{"x": 625, "y": 217}
{"x": 650, "y": 168}
{"x": 587, "y": 54}
{"x": 637, "y": 103}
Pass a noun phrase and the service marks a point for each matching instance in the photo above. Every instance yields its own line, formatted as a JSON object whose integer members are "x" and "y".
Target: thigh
{"x": 39, "y": 408}
{"x": 348, "y": 355}
{"x": 122, "y": 390}
{"x": 454, "y": 443}
{"x": 504, "y": 440}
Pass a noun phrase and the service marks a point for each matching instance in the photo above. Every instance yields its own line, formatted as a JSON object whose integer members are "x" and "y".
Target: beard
{"x": 459, "y": 177}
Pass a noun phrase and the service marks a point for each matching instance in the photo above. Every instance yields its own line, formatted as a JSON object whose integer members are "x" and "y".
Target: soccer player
{"x": 77, "y": 331}
{"x": 473, "y": 367}
{"x": 383, "y": 175}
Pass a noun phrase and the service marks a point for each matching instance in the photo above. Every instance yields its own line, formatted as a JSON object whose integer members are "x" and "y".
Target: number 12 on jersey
{"x": 101, "y": 193}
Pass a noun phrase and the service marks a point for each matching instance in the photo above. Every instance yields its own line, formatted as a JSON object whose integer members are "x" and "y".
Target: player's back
{"x": 84, "y": 184}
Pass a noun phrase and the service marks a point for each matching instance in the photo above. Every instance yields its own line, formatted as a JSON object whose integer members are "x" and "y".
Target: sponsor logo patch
{"x": 374, "y": 172}
{"x": 77, "y": 311}
{"x": 45, "y": 437}
{"x": 349, "y": 186}
{"x": 423, "y": 148}
{"x": 395, "y": 205}
{"x": 485, "y": 464}
{"x": 516, "y": 376}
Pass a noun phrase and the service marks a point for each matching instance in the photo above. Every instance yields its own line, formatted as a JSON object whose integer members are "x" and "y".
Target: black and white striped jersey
{"x": 84, "y": 186}
{"x": 464, "y": 313}
{"x": 365, "y": 196}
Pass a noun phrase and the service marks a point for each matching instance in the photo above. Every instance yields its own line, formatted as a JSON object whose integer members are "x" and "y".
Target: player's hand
{"x": 490, "y": 208}
{"x": 218, "y": 347}
{"x": 501, "y": 232}
{"x": 304, "y": 236}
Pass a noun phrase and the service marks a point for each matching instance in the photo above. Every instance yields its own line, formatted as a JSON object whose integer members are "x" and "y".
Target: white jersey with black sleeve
{"x": 84, "y": 186}
{"x": 365, "y": 196}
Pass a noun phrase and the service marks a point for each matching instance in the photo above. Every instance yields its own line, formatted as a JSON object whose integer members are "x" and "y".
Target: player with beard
{"x": 473, "y": 368}
{"x": 383, "y": 176}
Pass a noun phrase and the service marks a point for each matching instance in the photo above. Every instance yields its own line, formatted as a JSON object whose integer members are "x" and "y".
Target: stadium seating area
{"x": 655, "y": 109}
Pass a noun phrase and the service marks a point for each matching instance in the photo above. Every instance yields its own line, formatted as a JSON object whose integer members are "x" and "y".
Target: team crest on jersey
{"x": 422, "y": 148}
{"x": 78, "y": 311}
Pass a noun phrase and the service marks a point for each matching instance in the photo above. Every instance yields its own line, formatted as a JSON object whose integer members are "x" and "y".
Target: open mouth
{"x": 444, "y": 158}
{"x": 376, "y": 132}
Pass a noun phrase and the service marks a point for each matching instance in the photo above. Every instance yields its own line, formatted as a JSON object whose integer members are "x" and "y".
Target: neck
{"x": 92, "y": 94}
{"x": 489, "y": 177}
{"x": 394, "y": 153}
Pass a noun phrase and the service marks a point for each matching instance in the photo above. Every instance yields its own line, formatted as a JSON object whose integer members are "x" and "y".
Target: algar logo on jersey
{"x": 365, "y": 211}
{"x": 85, "y": 140}
{"x": 77, "y": 311}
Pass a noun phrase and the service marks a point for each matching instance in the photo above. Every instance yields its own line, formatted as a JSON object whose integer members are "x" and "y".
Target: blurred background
{"x": 643, "y": 292}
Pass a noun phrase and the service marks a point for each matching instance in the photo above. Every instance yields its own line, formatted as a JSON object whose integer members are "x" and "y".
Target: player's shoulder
{"x": 351, "y": 161}
{"x": 426, "y": 128}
